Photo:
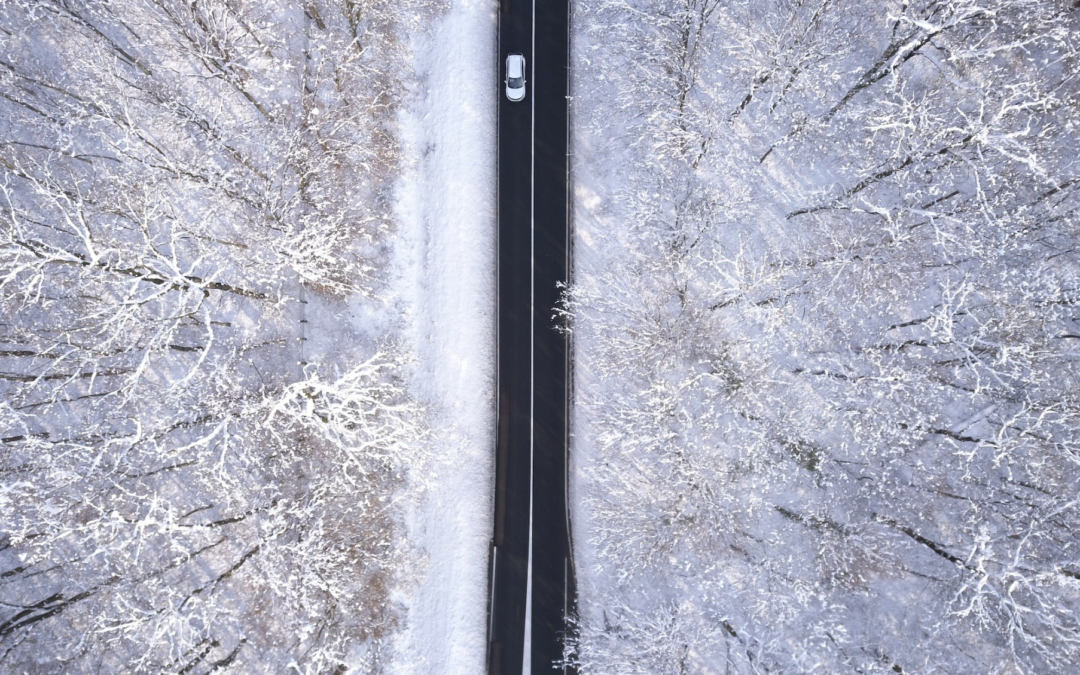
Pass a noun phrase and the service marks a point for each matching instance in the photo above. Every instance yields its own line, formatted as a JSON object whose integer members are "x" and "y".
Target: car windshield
{"x": 516, "y": 82}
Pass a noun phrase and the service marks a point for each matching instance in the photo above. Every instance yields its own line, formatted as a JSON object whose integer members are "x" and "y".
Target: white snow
{"x": 447, "y": 213}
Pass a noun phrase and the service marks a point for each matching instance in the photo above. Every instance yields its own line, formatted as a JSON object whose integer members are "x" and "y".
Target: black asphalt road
{"x": 532, "y": 432}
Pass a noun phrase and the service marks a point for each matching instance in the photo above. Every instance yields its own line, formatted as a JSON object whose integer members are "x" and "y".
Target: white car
{"x": 515, "y": 77}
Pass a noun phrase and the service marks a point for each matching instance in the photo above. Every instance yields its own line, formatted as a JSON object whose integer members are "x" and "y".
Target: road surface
{"x": 530, "y": 493}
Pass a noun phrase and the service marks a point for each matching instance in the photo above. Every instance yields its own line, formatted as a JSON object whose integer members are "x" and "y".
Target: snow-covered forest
{"x": 207, "y": 406}
{"x": 826, "y": 313}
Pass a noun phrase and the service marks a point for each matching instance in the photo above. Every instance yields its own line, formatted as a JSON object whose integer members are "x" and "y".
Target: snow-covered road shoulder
{"x": 445, "y": 285}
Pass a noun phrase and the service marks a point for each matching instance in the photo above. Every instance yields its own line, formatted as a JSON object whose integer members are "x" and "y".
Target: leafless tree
{"x": 190, "y": 481}
{"x": 827, "y": 365}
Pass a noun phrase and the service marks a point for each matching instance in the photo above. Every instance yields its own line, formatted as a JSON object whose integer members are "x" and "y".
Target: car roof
{"x": 515, "y": 65}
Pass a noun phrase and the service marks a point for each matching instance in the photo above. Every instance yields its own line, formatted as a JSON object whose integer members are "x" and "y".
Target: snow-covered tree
{"x": 190, "y": 477}
{"x": 827, "y": 368}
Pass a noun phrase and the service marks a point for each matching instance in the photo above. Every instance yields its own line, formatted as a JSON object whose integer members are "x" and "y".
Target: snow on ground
{"x": 447, "y": 291}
